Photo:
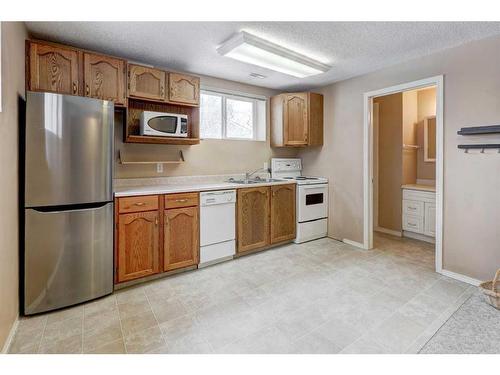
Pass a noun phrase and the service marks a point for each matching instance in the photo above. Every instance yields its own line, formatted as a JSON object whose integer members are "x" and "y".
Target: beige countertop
{"x": 430, "y": 188}
{"x": 125, "y": 191}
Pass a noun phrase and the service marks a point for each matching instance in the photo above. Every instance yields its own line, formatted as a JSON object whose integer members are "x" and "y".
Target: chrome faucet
{"x": 248, "y": 175}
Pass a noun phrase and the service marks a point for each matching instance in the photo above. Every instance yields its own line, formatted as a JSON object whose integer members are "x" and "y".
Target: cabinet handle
{"x": 139, "y": 204}
{"x": 162, "y": 91}
{"x": 88, "y": 90}
{"x": 181, "y": 200}
{"x": 75, "y": 88}
{"x": 156, "y": 221}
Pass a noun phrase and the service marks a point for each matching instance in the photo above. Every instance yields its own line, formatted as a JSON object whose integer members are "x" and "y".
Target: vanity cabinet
{"x": 183, "y": 89}
{"x": 52, "y": 68}
{"x": 138, "y": 245}
{"x": 147, "y": 83}
{"x": 419, "y": 213}
{"x": 297, "y": 120}
{"x": 104, "y": 78}
{"x": 265, "y": 216}
{"x": 181, "y": 231}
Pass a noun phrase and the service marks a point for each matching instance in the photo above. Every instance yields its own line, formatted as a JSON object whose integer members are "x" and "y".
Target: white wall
{"x": 13, "y": 35}
{"x": 471, "y": 243}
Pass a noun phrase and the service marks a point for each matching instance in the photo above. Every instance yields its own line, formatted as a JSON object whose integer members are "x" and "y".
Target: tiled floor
{"x": 320, "y": 297}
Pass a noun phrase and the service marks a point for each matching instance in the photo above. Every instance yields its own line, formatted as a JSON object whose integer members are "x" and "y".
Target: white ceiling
{"x": 351, "y": 48}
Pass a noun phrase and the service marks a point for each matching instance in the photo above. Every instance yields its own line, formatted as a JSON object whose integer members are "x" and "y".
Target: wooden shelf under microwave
{"x": 131, "y": 132}
{"x": 161, "y": 140}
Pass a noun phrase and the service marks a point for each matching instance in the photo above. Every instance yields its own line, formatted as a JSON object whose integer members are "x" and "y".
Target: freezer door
{"x": 68, "y": 257}
{"x": 69, "y": 150}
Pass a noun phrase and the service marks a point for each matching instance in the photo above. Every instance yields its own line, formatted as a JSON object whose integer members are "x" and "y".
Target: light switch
{"x": 159, "y": 167}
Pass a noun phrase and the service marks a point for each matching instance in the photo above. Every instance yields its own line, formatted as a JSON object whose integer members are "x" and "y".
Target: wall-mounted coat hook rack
{"x": 481, "y": 147}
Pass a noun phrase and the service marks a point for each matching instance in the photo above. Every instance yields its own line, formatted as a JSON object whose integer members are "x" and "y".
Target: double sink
{"x": 255, "y": 180}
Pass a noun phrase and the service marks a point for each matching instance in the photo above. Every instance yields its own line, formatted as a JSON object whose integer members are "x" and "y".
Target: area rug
{"x": 473, "y": 329}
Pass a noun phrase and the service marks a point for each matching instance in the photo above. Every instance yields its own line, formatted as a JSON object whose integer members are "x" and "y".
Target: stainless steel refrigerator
{"x": 68, "y": 200}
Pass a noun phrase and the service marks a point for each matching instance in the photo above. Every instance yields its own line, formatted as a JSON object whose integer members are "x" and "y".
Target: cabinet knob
{"x": 87, "y": 90}
{"x": 75, "y": 88}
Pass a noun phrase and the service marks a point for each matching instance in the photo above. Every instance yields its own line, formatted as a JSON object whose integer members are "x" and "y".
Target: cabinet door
{"x": 181, "y": 238}
{"x": 253, "y": 218}
{"x": 183, "y": 89}
{"x": 53, "y": 69}
{"x": 283, "y": 221}
{"x": 295, "y": 119}
{"x": 104, "y": 77}
{"x": 430, "y": 219}
{"x": 138, "y": 245}
{"x": 147, "y": 83}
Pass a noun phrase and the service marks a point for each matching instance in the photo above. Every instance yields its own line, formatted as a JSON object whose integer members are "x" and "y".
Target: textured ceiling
{"x": 351, "y": 48}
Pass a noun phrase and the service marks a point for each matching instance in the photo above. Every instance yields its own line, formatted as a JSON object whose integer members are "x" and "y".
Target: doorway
{"x": 413, "y": 202}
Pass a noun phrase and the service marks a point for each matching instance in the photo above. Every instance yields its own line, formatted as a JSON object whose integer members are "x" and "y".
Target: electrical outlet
{"x": 159, "y": 167}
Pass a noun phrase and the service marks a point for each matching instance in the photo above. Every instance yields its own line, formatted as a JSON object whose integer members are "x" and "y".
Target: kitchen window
{"x": 229, "y": 115}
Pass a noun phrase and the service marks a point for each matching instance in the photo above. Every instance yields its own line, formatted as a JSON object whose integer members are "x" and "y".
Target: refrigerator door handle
{"x": 71, "y": 207}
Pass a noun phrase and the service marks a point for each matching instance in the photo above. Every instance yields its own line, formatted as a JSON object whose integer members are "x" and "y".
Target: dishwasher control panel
{"x": 217, "y": 197}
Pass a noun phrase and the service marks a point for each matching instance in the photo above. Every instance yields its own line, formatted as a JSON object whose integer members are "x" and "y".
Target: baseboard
{"x": 389, "y": 231}
{"x": 460, "y": 277}
{"x": 10, "y": 337}
{"x": 353, "y": 243}
{"x": 418, "y": 236}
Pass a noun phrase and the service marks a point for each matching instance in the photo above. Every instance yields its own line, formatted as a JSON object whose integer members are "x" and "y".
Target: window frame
{"x": 253, "y": 99}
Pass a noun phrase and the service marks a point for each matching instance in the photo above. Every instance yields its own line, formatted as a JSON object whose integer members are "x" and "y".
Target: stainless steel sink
{"x": 256, "y": 180}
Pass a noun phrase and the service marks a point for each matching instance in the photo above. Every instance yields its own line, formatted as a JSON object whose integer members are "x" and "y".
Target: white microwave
{"x": 164, "y": 124}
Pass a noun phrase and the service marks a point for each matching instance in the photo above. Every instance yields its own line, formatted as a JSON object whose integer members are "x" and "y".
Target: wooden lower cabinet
{"x": 138, "y": 245}
{"x": 283, "y": 221}
{"x": 265, "y": 216}
{"x": 181, "y": 238}
{"x": 252, "y": 218}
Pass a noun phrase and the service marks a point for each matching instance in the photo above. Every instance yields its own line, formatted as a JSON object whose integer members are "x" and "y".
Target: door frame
{"x": 438, "y": 82}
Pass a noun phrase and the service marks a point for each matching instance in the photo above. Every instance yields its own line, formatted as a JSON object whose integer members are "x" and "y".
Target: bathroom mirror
{"x": 430, "y": 139}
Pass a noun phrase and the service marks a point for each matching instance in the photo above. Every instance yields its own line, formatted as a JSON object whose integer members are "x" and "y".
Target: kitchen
{"x": 203, "y": 214}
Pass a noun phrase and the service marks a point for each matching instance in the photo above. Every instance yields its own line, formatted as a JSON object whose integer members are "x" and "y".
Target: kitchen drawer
{"x": 415, "y": 208}
{"x": 413, "y": 223}
{"x": 181, "y": 200}
{"x": 416, "y": 195}
{"x": 138, "y": 204}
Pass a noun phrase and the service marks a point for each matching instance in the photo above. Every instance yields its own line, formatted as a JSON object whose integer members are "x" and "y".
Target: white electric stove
{"x": 312, "y": 198}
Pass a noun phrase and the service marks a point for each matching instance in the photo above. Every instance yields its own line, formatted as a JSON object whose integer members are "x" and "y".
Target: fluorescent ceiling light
{"x": 254, "y": 50}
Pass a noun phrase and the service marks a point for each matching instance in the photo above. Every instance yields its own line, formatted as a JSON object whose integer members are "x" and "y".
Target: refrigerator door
{"x": 69, "y": 150}
{"x": 68, "y": 256}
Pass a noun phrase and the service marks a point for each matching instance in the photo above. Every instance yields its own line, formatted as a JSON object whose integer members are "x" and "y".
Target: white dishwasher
{"x": 217, "y": 226}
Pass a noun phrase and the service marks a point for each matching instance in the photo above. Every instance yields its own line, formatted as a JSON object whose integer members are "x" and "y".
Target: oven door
{"x": 167, "y": 125}
{"x": 312, "y": 202}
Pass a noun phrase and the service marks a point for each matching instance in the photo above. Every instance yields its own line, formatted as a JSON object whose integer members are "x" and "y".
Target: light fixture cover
{"x": 257, "y": 51}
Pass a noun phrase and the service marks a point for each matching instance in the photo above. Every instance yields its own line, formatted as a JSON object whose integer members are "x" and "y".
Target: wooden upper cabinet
{"x": 253, "y": 218}
{"x": 181, "y": 238}
{"x": 104, "y": 77}
{"x": 53, "y": 68}
{"x": 183, "y": 89}
{"x": 297, "y": 120}
{"x": 138, "y": 245}
{"x": 147, "y": 83}
{"x": 295, "y": 123}
{"x": 283, "y": 221}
